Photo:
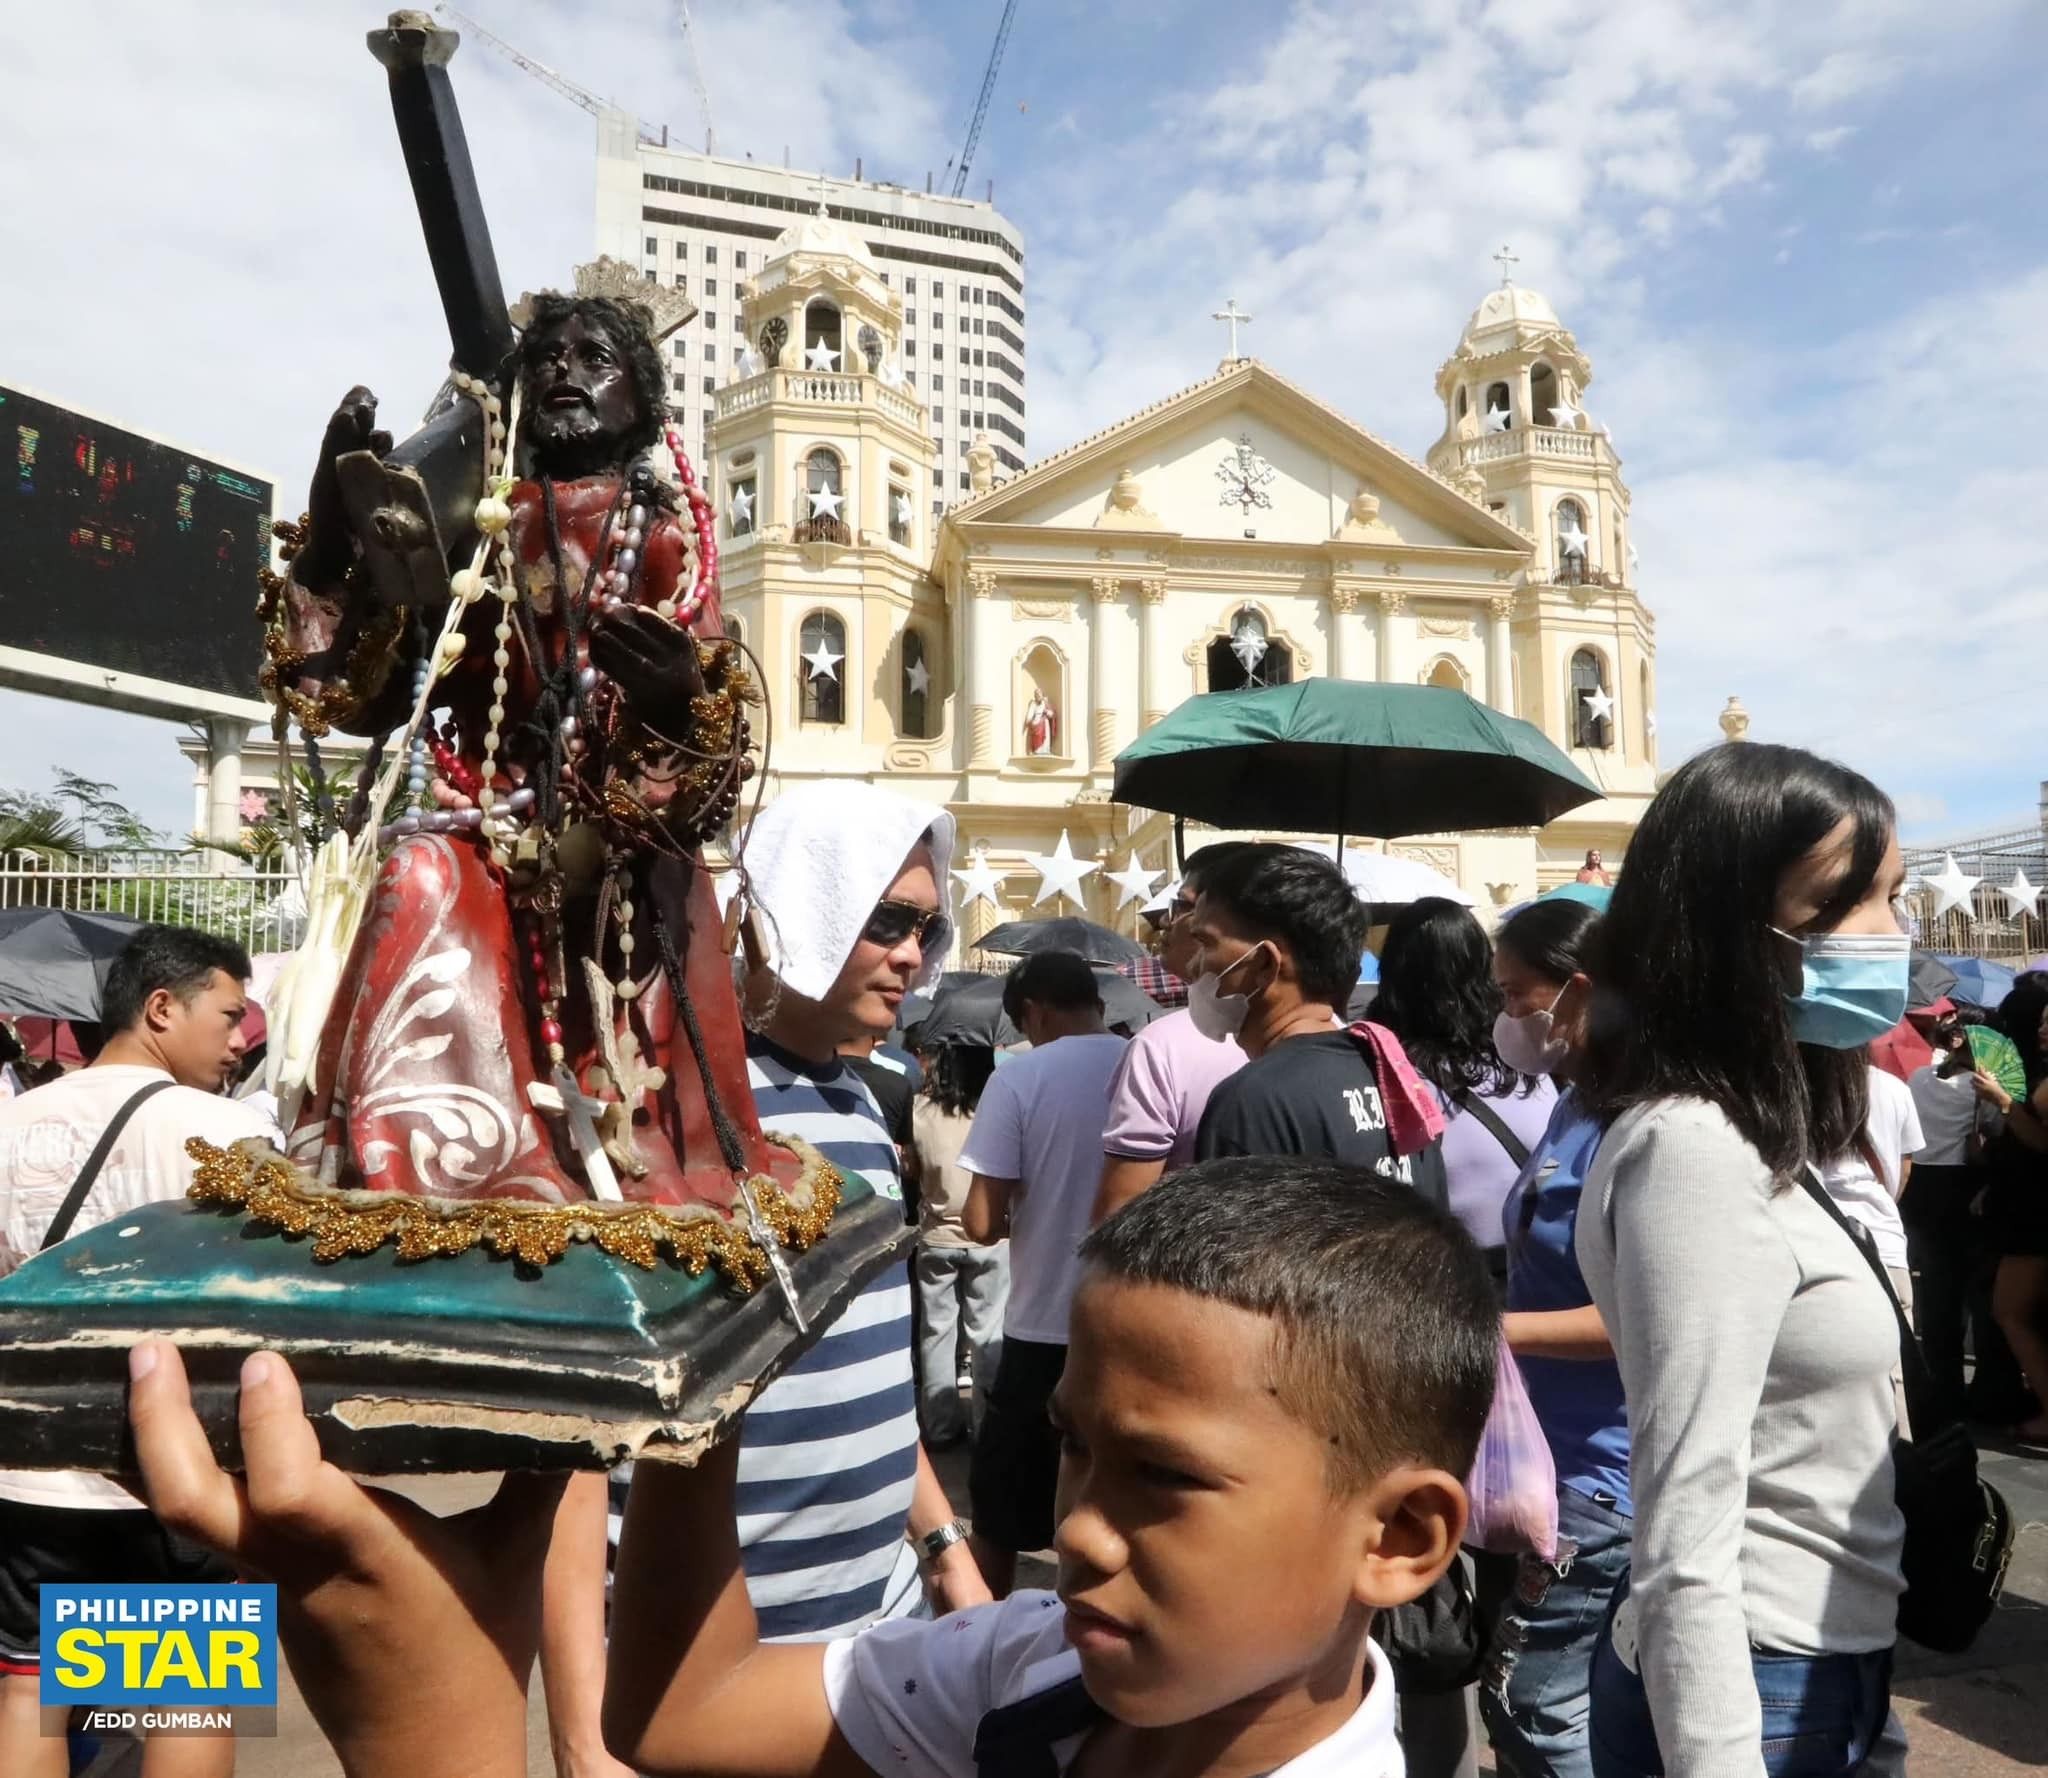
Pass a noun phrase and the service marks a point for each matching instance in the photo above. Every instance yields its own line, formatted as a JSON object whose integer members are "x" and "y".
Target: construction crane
{"x": 569, "y": 90}
{"x": 988, "y": 88}
{"x": 697, "y": 78}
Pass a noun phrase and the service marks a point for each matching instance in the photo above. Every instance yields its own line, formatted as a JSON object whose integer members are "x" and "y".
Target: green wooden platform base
{"x": 437, "y": 1365}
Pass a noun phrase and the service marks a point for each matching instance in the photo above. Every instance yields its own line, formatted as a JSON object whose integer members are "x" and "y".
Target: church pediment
{"x": 1245, "y": 455}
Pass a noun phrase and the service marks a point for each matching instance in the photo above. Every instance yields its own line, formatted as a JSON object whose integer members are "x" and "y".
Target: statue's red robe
{"x": 426, "y": 1065}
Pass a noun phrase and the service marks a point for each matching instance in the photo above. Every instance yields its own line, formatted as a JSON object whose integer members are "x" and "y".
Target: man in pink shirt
{"x": 1168, "y": 1070}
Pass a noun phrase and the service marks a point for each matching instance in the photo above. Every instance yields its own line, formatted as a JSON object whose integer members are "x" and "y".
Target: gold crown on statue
{"x": 667, "y": 307}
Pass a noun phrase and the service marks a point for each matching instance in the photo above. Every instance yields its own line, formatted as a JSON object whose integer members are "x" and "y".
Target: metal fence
{"x": 260, "y": 906}
{"x": 1994, "y": 929}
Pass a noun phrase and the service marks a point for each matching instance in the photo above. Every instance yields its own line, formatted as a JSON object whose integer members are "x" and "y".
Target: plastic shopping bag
{"x": 1513, "y": 1485}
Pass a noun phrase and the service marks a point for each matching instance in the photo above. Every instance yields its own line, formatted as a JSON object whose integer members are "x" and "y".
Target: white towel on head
{"x": 819, "y": 857}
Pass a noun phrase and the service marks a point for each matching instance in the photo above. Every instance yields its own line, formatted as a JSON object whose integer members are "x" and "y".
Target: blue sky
{"x": 1804, "y": 243}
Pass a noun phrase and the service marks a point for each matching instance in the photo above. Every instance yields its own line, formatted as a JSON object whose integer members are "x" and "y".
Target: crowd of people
{"x": 1218, "y": 1309}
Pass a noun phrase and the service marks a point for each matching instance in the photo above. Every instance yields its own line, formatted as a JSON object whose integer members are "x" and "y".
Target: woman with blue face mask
{"x": 1534, "y": 1692}
{"x": 1751, "y": 951}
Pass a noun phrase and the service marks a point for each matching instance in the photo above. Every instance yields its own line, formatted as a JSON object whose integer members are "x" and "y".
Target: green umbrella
{"x": 1340, "y": 756}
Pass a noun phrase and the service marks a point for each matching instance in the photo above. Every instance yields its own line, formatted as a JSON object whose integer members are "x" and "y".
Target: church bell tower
{"x": 1518, "y": 438}
{"x": 822, "y": 464}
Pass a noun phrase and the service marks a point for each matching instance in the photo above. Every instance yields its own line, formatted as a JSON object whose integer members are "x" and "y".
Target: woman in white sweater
{"x": 1751, "y": 951}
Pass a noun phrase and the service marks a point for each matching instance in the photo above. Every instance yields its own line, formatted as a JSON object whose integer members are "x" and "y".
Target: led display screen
{"x": 124, "y": 552}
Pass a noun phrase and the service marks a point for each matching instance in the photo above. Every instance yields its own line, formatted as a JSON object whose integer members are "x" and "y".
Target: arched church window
{"x": 1448, "y": 674}
{"x": 735, "y": 628}
{"x": 822, "y": 669}
{"x": 1543, "y": 395}
{"x": 1499, "y": 402}
{"x": 1592, "y": 705}
{"x": 1246, "y": 654}
{"x": 871, "y": 349}
{"x": 1464, "y": 402}
{"x": 774, "y": 336}
{"x": 1573, "y": 543}
{"x": 822, "y": 342}
{"x": 821, "y": 506}
{"x": 918, "y": 691}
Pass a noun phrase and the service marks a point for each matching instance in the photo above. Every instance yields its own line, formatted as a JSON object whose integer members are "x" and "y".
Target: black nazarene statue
{"x": 509, "y": 1049}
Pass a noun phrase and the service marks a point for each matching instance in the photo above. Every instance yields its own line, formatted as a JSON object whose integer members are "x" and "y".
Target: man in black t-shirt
{"x": 1278, "y": 934}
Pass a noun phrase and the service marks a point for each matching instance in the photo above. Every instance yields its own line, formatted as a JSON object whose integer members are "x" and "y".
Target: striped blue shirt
{"x": 828, "y": 1451}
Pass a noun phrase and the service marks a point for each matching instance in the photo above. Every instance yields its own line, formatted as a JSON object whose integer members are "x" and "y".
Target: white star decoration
{"x": 891, "y": 374}
{"x": 1059, "y": 873}
{"x": 824, "y": 503}
{"x": 903, "y": 510}
{"x": 1952, "y": 888}
{"x": 1572, "y": 543}
{"x": 741, "y": 510}
{"x": 1134, "y": 881}
{"x": 1650, "y": 724}
{"x": 1565, "y": 417}
{"x": 1496, "y": 419}
{"x": 2020, "y": 894}
{"x": 821, "y": 357}
{"x": 750, "y": 363}
{"x": 920, "y": 677}
{"x": 978, "y": 881}
{"x": 1250, "y": 648}
{"x": 1598, "y": 705}
{"x": 1163, "y": 901}
{"x": 823, "y": 663}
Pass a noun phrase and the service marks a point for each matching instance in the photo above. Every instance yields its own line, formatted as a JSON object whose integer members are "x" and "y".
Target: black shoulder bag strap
{"x": 1495, "y": 1125}
{"x": 1919, "y": 1381}
{"x": 74, "y": 1199}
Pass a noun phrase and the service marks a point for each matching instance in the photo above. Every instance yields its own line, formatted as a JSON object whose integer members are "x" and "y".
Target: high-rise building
{"x": 706, "y": 223}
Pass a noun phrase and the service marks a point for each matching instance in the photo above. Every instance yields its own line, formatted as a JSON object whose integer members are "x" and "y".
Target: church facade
{"x": 991, "y": 655}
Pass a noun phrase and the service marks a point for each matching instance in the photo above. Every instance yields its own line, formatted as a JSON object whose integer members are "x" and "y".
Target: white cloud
{"x": 1847, "y": 74}
{"x": 1828, "y": 140}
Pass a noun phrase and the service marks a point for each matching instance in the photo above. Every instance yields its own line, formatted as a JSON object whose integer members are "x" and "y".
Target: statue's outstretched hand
{"x": 326, "y": 555}
{"x": 653, "y": 662}
{"x": 411, "y": 1636}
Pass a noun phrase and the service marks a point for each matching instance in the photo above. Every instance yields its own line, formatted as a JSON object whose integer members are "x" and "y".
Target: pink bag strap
{"x": 1415, "y": 1116}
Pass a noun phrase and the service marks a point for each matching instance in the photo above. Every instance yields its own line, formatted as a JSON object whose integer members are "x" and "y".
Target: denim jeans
{"x": 1823, "y": 1715}
{"x": 1535, "y": 1689}
{"x": 957, "y": 1285}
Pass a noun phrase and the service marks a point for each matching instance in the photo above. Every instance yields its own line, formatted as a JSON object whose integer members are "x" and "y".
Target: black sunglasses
{"x": 894, "y": 921}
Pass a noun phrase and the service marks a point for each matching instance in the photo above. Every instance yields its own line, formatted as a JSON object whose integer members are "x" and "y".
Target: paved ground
{"x": 1979, "y": 1715}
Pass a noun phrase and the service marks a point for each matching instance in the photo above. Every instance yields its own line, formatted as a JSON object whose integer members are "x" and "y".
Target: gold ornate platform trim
{"x": 254, "y": 1178}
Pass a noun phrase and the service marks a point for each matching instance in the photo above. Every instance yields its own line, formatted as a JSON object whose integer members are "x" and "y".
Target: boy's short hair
{"x": 1298, "y": 900}
{"x": 178, "y": 958}
{"x": 1061, "y": 980}
{"x": 1385, "y": 1321}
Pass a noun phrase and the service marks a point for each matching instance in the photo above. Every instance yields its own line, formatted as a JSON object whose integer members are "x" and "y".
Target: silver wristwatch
{"x": 934, "y": 1544}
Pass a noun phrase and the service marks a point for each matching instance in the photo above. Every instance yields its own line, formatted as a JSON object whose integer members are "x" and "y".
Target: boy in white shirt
{"x": 1278, "y": 1372}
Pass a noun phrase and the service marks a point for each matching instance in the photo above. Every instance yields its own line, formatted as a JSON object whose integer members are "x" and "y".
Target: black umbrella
{"x": 1019, "y": 938}
{"x": 1928, "y": 980}
{"x": 968, "y": 1008}
{"x": 54, "y": 961}
{"x": 1125, "y": 1003}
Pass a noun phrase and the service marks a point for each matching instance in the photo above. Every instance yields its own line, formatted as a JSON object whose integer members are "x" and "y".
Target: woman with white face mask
{"x": 1534, "y": 1692}
{"x": 1751, "y": 953}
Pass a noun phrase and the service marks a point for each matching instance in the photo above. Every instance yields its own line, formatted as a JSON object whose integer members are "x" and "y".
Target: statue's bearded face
{"x": 579, "y": 397}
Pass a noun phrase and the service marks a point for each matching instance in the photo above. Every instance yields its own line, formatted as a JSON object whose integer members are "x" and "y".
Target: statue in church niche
{"x": 1041, "y": 725}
